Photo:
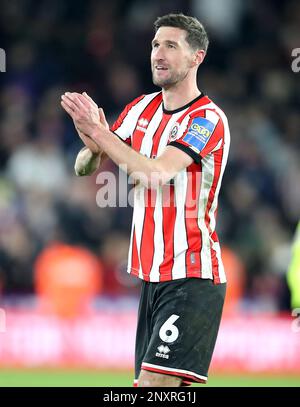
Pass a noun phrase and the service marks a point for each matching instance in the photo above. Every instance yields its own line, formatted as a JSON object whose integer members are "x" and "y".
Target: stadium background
{"x": 49, "y": 217}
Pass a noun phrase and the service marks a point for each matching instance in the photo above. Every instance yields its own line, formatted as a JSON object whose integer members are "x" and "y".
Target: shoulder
{"x": 204, "y": 119}
{"x": 209, "y": 110}
{"x": 145, "y": 99}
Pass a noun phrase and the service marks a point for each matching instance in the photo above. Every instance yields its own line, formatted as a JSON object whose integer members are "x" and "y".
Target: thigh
{"x": 185, "y": 322}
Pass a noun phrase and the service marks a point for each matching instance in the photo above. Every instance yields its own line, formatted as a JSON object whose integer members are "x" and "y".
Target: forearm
{"x": 141, "y": 168}
{"x": 87, "y": 162}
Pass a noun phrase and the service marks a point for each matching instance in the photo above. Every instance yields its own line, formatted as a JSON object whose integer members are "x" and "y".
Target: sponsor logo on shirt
{"x": 199, "y": 133}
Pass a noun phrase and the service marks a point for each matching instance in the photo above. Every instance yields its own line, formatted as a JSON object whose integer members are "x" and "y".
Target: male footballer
{"x": 175, "y": 144}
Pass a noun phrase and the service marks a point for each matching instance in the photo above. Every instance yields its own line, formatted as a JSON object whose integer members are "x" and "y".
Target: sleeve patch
{"x": 199, "y": 133}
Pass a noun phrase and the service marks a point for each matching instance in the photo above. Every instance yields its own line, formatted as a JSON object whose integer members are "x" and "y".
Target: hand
{"x": 102, "y": 117}
{"x": 87, "y": 141}
{"x": 93, "y": 147}
{"x": 86, "y": 117}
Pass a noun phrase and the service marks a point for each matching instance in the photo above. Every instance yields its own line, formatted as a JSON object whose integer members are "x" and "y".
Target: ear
{"x": 198, "y": 57}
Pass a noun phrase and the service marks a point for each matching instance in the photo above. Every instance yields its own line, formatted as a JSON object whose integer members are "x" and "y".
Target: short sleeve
{"x": 200, "y": 134}
{"x": 124, "y": 125}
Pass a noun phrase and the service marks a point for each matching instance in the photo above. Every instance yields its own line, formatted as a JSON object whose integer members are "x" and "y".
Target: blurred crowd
{"x": 103, "y": 47}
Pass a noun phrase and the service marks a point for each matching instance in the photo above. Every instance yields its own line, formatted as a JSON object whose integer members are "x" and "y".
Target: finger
{"x": 67, "y": 109}
{"x": 85, "y": 101}
{"x": 69, "y": 102}
{"x": 74, "y": 102}
{"x": 103, "y": 118}
{"x": 70, "y": 95}
{"x": 74, "y": 95}
{"x": 89, "y": 98}
{"x": 82, "y": 103}
{"x": 102, "y": 115}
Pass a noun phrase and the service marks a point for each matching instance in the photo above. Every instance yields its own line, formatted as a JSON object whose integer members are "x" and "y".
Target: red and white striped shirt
{"x": 173, "y": 229}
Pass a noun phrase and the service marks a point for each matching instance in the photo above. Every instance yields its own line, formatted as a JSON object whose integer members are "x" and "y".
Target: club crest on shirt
{"x": 173, "y": 132}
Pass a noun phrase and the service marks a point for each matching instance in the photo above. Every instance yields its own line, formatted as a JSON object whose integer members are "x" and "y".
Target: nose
{"x": 158, "y": 54}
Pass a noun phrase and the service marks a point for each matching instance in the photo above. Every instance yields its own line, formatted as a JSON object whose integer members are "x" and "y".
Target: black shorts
{"x": 178, "y": 323}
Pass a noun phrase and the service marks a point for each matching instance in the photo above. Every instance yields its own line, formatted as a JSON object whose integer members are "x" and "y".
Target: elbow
{"x": 79, "y": 172}
{"x": 86, "y": 163}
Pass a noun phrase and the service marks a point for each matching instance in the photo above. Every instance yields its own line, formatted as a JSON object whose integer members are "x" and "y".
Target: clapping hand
{"x": 86, "y": 115}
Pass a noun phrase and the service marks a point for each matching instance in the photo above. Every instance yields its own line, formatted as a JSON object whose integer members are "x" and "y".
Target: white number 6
{"x": 169, "y": 327}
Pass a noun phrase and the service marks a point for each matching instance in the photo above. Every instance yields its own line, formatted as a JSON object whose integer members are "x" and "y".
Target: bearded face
{"x": 171, "y": 57}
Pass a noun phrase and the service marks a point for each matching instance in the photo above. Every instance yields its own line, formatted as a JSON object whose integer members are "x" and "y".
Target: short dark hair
{"x": 196, "y": 35}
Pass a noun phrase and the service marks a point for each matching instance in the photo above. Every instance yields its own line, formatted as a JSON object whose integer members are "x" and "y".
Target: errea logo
{"x": 142, "y": 125}
{"x": 162, "y": 352}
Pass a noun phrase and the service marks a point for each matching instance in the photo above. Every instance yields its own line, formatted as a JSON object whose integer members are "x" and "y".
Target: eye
{"x": 171, "y": 46}
{"x": 155, "y": 45}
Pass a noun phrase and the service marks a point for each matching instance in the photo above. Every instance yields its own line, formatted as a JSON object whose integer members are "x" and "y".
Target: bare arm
{"x": 148, "y": 171}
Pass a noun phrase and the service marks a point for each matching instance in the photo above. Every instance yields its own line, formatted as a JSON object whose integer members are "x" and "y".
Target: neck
{"x": 177, "y": 96}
